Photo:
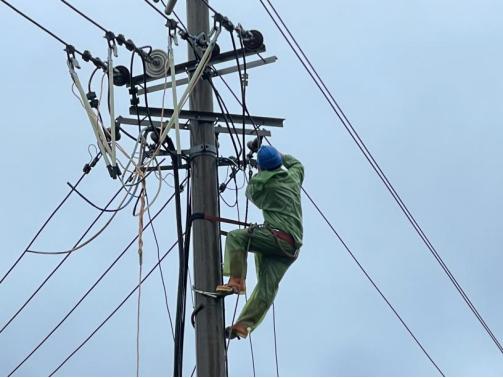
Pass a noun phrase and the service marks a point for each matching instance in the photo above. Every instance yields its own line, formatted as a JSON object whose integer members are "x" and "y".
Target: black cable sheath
{"x": 93, "y": 286}
{"x": 84, "y": 15}
{"x": 38, "y": 25}
{"x": 60, "y": 263}
{"x": 46, "y": 222}
{"x": 112, "y": 313}
{"x": 182, "y": 276}
{"x": 376, "y": 167}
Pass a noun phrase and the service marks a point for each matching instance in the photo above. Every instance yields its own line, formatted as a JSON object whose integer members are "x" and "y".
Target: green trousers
{"x": 273, "y": 256}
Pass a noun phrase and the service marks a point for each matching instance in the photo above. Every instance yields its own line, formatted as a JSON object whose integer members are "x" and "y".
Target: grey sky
{"x": 420, "y": 80}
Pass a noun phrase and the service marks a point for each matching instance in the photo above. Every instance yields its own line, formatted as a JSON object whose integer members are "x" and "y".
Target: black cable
{"x": 154, "y": 233}
{"x": 182, "y": 275}
{"x": 87, "y": 169}
{"x": 85, "y": 16}
{"x": 92, "y": 204}
{"x": 371, "y": 280}
{"x": 275, "y": 338}
{"x": 93, "y": 286}
{"x": 209, "y": 6}
{"x": 227, "y": 119}
{"x": 164, "y": 16}
{"x": 243, "y": 95}
{"x": 376, "y": 167}
{"x": 39, "y": 25}
{"x": 256, "y": 128}
{"x": 59, "y": 265}
{"x": 113, "y": 312}
{"x": 90, "y": 81}
{"x": 247, "y": 205}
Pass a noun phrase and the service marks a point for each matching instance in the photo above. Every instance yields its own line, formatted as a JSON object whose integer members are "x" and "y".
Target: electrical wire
{"x": 94, "y": 285}
{"x": 82, "y": 244}
{"x": 158, "y": 249}
{"x": 57, "y": 266}
{"x": 348, "y": 250}
{"x": 112, "y": 313}
{"x": 251, "y": 345}
{"x": 53, "y": 213}
{"x": 38, "y": 25}
{"x": 374, "y": 164}
{"x": 275, "y": 338}
{"x": 85, "y": 16}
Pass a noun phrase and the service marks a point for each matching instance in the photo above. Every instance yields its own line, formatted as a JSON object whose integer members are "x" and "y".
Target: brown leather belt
{"x": 284, "y": 236}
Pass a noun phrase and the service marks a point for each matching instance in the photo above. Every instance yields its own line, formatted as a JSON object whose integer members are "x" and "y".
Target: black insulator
{"x": 108, "y": 134}
{"x": 216, "y": 51}
{"x": 130, "y": 45}
{"x": 121, "y": 39}
{"x": 109, "y": 35}
{"x": 184, "y": 35}
{"x": 86, "y": 169}
{"x": 91, "y": 95}
{"x": 171, "y": 24}
{"x": 134, "y": 101}
{"x": 94, "y": 103}
{"x": 121, "y": 76}
{"x": 99, "y": 63}
{"x": 86, "y": 55}
{"x": 253, "y": 40}
{"x": 70, "y": 50}
{"x": 226, "y": 23}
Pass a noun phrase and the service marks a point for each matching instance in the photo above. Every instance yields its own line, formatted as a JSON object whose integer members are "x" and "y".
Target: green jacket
{"x": 277, "y": 194}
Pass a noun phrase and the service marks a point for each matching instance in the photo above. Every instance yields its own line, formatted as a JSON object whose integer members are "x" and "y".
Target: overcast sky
{"x": 422, "y": 83}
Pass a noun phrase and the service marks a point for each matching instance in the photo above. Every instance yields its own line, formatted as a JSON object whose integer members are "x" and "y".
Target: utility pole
{"x": 210, "y": 342}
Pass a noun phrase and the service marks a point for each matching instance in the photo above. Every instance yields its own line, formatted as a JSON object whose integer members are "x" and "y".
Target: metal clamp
{"x": 202, "y": 150}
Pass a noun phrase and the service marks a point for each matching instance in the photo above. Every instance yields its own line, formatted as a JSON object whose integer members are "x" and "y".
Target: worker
{"x": 275, "y": 189}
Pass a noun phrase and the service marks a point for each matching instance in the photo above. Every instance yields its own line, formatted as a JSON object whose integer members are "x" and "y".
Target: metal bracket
{"x": 212, "y": 73}
{"x": 208, "y": 116}
{"x": 184, "y": 67}
{"x": 218, "y": 129}
{"x": 202, "y": 149}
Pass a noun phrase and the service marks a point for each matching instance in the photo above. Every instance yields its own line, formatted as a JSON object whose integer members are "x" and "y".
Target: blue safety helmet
{"x": 269, "y": 158}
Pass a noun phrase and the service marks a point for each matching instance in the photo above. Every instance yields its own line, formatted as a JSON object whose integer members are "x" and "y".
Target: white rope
{"x": 112, "y": 50}
{"x": 93, "y": 118}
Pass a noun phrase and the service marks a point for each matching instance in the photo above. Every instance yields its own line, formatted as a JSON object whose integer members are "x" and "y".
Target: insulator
{"x": 121, "y": 76}
{"x": 157, "y": 66}
{"x": 253, "y": 40}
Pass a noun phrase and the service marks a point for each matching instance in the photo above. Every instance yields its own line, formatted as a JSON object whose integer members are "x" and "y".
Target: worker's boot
{"x": 235, "y": 285}
{"x": 239, "y": 330}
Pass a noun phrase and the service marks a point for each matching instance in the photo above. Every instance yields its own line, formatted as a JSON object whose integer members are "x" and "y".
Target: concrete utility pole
{"x": 210, "y": 342}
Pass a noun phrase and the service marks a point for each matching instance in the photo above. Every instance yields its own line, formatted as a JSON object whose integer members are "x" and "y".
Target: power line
{"x": 70, "y": 49}
{"x": 59, "y": 265}
{"x": 113, "y": 312}
{"x": 154, "y": 233}
{"x": 87, "y": 168}
{"x": 38, "y": 25}
{"x": 371, "y": 281}
{"x": 84, "y": 15}
{"x": 345, "y": 246}
{"x": 93, "y": 286}
{"x": 275, "y": 338}
{"x": 363, "y": 148}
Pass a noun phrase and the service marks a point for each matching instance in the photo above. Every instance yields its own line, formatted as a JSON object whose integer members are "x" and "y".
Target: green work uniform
{"x": 277, "y": 194}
